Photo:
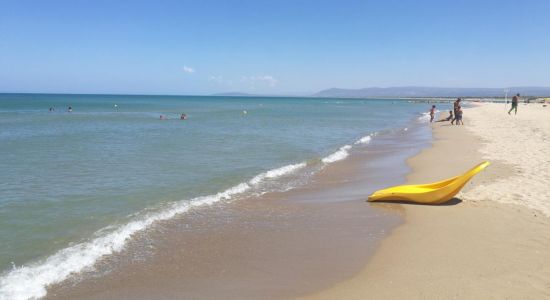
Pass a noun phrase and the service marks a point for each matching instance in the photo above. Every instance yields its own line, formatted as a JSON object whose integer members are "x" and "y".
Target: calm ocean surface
{"x": 104, "y": 172}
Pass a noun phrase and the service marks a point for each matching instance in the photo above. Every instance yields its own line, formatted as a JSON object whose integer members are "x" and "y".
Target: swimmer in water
{"x": 162, "y": 117}
{"x": 183, "y": 117}
{"x": 70, "y": 109}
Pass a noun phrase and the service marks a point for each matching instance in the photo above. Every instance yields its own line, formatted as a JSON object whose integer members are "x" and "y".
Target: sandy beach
{"x": 323, "y": 241}
{"x": 520, "y": 141}
{"x": 274, "y": 150}
{"x": 493, "y": 241}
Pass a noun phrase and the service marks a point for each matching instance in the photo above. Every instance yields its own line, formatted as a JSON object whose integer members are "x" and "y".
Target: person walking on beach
{"x": 458, "y": 116}
{"x": 432, "y": 113}
{"x": 515, "y": 101}
{"x": 456, "y": 105}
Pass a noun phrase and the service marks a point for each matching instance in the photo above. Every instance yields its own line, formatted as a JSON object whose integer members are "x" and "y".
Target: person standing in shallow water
{"x": 432, "y": 113}
{"x": 515, "y": 101}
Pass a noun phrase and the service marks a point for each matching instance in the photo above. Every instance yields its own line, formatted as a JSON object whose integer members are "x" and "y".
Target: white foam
{"x": 276, "y": 173}
{"x": 338, "y": 155}
{"x": 425, "y": 117}
{"x": 364, "y": 140}
{"x": 30, "y": 281}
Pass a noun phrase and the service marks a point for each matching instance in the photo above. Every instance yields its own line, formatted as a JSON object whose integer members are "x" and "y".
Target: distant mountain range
{"x": 414, "y": 91}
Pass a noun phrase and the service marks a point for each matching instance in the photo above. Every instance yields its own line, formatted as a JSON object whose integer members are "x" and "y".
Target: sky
{"x": 270, "y": 47}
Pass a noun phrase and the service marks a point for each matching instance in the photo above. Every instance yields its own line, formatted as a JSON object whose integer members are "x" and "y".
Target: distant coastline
{"x": 404, "y": 92}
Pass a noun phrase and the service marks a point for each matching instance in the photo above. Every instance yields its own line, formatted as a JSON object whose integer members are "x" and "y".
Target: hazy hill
{"x": 413, "y": 91}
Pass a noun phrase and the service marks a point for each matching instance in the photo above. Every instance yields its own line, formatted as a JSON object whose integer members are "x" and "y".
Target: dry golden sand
{"x": 521, "y": 141}
{"x": 473, "y": 249}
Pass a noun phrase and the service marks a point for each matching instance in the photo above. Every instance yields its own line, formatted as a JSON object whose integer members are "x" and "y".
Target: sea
{"x": 77, "y": 185}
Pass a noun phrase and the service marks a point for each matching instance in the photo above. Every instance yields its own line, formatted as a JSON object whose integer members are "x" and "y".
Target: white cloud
{"x": 189, "y": 70}
{"x": 267, "y": 79}
{"x": 220, "y": 80}
{"x": 270, "y": 80}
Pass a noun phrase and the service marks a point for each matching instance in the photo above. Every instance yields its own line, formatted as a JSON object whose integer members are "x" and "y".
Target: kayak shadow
{"x": 453, "y": 201}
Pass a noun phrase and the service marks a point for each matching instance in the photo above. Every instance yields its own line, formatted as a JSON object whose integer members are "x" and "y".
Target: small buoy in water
{"x": 245, "y": 112}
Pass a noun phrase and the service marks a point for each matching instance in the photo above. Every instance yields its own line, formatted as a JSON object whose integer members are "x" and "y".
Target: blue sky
{"x": 273, "y": 47}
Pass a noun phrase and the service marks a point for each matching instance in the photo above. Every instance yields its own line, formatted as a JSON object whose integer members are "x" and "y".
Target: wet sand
{"x": 279, "y": 245}
{"x": 471, "y": 249}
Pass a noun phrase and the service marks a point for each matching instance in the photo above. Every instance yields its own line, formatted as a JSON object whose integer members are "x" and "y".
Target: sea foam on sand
{"x": 338, "y": 155}
{"x": 30, "y": 281}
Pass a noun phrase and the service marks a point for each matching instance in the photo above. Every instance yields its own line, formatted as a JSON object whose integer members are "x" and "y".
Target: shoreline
{"x": 474, "y": 249}
{"x": 281, "y": 244}
{"x": 266, "y": 245}
{"x": 100, "y": 231}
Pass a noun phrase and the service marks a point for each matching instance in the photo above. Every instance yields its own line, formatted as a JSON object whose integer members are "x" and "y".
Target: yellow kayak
{"x": 431, "y": 193}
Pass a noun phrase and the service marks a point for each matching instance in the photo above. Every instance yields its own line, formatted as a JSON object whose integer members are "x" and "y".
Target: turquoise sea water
{"x": 69, "y": 178}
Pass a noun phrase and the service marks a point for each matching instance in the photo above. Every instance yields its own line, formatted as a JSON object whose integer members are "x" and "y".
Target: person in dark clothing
{"x": 456, "y": 104}
{"x": 515, "y": 101}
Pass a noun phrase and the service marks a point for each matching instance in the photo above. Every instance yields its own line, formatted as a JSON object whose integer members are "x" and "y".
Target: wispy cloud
{"x": 270, "y": 80}
{"x": 189, "y": 70}
{"x": 218, "y": 78}
{"x": 267, "y": 79}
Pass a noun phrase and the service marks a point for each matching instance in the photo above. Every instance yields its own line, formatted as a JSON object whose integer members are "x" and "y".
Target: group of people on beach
{"x": 455, "y": 115}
